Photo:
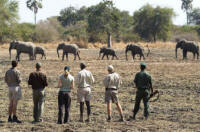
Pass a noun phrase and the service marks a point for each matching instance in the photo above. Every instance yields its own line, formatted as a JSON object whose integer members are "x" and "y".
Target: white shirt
{"x": 112, "y": 81}
{"x": 84, "y": 79}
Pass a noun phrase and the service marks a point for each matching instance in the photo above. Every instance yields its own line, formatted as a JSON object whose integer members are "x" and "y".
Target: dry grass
{"x": 178, "y": 82}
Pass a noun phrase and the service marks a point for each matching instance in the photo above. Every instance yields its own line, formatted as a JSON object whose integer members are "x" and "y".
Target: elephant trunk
{"x": 10, "y": 51}
{"x": 58, "y": 52}
{"x": 126, "y": 54}
{"x": 148, "y": 51}
{"x": 176, "y": 51}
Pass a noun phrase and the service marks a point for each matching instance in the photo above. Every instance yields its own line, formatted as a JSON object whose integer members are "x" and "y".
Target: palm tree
{"x": 34, "y": 5}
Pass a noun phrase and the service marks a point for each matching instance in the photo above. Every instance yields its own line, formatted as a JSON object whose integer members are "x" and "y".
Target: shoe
{"x": 16, "y": 120}
{"x": 10, "y": 119}
{"x": 108, "y": 119}
{"x": 81, "y": 119}
{"x": 131, "y": 118}
{"x": 88, "y": 120}
{"x": 59, "y": 122}
{"x": 146, "y": 117}
{"x": 121, "y": 119}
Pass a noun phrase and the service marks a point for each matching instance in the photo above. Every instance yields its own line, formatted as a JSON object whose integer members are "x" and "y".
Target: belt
{"x": 111, "y": 89}
{"x": 85, "y": 87}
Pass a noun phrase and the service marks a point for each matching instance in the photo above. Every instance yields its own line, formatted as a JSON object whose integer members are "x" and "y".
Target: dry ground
{"x": 178, "y": 82}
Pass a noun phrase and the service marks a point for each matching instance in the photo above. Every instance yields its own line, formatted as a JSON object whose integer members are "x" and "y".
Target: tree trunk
{"x": 187, "y": 15}
{"x": 35, "y": 18}
{"x": 109, "y": 41}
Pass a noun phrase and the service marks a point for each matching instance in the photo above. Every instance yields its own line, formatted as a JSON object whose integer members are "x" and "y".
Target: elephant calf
{"x": 107, "y": 52}
{"x": 187, "y": 46}
{"x": 40, "y": 50}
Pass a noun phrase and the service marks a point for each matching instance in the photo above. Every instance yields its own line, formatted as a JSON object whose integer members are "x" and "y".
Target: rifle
{"x": 154, "y": 94}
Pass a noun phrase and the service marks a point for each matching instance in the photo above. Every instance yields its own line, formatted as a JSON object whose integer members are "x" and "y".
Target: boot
{"x": 109, "y": 119}
{"x": 16, "y": 120}
{"x": 10, "y": 119}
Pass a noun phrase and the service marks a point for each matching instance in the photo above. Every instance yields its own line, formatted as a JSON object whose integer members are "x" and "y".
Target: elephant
{"x": 23, "y": 47}
{"x": 136, "y": 49}
{"x": 187, "y": 46}
{"x": 107, "y": 52}
{"x": 40, "y": 50}
{"x": 68, "y": 48}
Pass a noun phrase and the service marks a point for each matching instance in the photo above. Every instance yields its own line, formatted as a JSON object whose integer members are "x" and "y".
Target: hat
{"x": 38, "y": 65}
{"x": 143, "y": 64}
{"x": 110, "y": 68}
{"x": 67, "y": 68}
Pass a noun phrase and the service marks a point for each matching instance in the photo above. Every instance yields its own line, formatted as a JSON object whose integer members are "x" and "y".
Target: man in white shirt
{"x": 84, "y": 81}
{"x": 112, "y": 83}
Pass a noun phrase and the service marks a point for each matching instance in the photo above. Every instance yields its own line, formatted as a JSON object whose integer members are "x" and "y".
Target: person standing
{"x": 84, "y": 81}
{"x": 65, "y": 83}
{"x": 143, "y": 82}
{"x": 112, "y": 82}
{"x": 13, "y": 80}
{"x": 38, "y": 81}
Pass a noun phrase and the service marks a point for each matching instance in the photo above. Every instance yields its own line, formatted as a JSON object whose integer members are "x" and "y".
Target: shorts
{"x": 15, "y": 93}
{"x": 111, "y": 95}
{"x": 84, "y": 94}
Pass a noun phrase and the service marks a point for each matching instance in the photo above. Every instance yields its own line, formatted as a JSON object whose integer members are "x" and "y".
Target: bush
{"x": 46, "y": 32}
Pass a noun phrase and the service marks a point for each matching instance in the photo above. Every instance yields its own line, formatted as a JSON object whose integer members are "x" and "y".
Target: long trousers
{"x": 38, "y": 101}
{"x": 64, "y": 99}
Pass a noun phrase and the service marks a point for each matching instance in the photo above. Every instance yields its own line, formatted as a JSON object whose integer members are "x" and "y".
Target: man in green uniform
{"x": 143, "y": 82}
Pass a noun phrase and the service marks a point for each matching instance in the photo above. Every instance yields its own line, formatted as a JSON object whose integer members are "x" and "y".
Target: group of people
{"x": 66, "y": 83}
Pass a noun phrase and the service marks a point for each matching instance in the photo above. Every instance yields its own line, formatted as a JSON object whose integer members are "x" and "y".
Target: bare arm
{"x": 59, "y": 84}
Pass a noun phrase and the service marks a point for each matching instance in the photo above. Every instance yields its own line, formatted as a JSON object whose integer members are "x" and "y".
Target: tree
{"x": 68, "y": 16}
{"x": 187, "y": 7}
{"x": 34, "y": 5}
{"x": 153, "y": 23}
{"x": 194, "y": 16}
{"x": 103, "y": 18}
{"x": 8, "y": 16}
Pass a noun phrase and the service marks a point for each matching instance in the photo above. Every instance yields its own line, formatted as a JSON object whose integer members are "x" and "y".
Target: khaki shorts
{"x": 15, "y": 93}
{"x": 84, "y": 94}
{"x": 111, "y": 95}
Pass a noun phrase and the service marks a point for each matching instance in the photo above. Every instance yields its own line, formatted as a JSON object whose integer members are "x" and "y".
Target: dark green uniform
{"x": 142, "y": 81}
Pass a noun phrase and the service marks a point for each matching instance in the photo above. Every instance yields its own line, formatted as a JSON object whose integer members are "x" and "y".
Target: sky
{"x": 53, "y": 8}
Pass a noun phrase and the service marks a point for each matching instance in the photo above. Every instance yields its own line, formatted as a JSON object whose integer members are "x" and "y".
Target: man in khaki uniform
{"x": 84, "y": 81}
{"x": 38, "y": 81}
{"x": 112, "y": 83}
{"x": 13, "y": 79}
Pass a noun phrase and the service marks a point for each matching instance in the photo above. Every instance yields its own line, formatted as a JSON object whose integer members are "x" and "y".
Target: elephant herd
{"x": 32, "y": 50}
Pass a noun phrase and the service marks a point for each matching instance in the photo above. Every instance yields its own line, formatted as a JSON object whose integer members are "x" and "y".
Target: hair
{"x": 83, "y": 66}
{"x": 14, "y": 64}
{"x": 142, "y": 67}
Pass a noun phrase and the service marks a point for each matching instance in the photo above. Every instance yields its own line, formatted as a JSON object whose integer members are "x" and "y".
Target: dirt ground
{"x": 177, "y": 81}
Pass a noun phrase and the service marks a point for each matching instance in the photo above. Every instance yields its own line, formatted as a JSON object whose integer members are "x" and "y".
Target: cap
{"x": 38, "y": 65}
{"x": 143, "y": 64}
{"x": 67, "y": 68}
{"x": 110, "y": 68}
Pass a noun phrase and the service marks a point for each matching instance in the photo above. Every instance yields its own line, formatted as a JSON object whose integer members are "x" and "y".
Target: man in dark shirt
{"x": 143, "y": 82}
{"x": 38, "y": 80}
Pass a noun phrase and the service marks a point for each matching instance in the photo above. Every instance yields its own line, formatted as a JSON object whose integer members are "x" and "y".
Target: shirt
{"x": 12, "y": 77}
{"x": 66, "y": 83}
{"x": 38, "y": 80}
{"x": 142, "y": 80}
{"x": 112, "y": 81}
{"x": 84, "y": 79}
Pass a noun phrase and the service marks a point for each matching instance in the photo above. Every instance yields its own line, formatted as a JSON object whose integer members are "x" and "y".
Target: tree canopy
{"x": 153, "y": 23}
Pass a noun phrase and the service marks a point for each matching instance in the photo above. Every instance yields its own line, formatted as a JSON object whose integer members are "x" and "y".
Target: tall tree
{"x": 8, "y": 16}
{"x": 34, "y": 5}
{"x": 153, "y": 23}
{"x": 194, "y": 16}
{"x": 187, "y": 7}
{"x": 104, "y": 18}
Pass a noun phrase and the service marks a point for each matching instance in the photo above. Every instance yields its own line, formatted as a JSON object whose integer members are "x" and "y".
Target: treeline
{"x": 97, "y": 23}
